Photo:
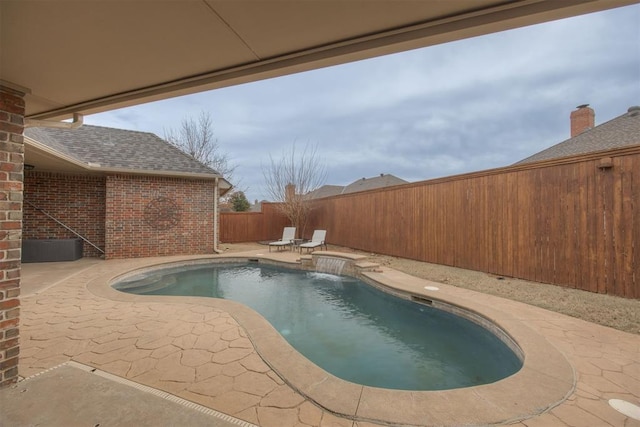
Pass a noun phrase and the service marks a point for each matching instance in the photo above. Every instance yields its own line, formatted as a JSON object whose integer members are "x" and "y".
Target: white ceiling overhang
{"x": 87, "y": 57}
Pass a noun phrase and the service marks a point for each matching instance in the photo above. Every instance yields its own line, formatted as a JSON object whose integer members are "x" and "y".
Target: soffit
{"x": 48, "y": 161}
{"x": 88, "y": 57}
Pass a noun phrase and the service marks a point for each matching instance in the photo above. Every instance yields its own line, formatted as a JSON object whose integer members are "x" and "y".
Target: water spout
{"x": 330, "y": 265}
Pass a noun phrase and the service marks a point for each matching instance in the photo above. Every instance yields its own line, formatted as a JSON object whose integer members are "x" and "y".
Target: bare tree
{"x": 196, "y": 138}
{"x": 289, "y": 180}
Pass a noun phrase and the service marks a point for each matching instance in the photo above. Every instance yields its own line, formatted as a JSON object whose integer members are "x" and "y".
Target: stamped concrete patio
{"x": 203, "y": 354}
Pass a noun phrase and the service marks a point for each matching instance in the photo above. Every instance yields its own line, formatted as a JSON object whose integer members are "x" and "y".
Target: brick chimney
{"x": 584, "y": 118}
{"x": 289, "y": 192}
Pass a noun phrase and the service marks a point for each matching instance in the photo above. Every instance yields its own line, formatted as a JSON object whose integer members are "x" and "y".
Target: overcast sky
{"x": 460, "y": 107}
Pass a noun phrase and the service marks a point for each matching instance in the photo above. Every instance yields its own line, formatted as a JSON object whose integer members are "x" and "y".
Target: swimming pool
{"x": 350, "y": 329}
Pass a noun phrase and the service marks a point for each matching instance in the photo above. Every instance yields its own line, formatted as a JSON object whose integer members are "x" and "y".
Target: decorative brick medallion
{"x": 162, "y": 213}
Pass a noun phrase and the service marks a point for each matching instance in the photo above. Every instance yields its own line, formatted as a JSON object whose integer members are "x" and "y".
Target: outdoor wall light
{"x": 605, "y": 163}
{"x": 28, "y": 167}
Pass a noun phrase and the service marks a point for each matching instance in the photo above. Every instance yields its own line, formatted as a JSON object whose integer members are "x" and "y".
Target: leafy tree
{"x": 289, "y": 180}
{"x": 239, "y": 202}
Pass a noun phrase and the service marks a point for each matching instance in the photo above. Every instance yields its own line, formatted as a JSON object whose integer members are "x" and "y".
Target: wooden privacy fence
{"x": 236, "y": 227}
{"x": 573, "y": 222}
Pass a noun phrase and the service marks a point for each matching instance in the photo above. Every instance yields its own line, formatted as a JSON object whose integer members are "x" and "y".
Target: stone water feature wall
{"x": 337, "y": 263}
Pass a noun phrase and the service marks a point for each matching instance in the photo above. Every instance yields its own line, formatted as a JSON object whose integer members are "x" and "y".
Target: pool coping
{"x": 545, "y": 380}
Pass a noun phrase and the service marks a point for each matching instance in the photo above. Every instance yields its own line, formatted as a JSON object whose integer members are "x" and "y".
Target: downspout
{"x": 216, "y": 218}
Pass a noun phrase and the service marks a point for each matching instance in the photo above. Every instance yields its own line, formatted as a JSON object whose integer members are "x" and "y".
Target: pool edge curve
{"x": 545, "y": 380}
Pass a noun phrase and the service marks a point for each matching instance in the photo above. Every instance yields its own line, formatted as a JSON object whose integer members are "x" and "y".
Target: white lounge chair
{"x": 288, "y": 234}
{"x": 316, "y": 240}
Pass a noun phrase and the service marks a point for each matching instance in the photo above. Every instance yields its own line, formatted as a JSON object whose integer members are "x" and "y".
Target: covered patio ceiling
{"x": 87, "y": 57}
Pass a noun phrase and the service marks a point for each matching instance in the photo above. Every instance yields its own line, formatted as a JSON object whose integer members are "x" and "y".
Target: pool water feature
{"x": 348, "y": 328}
{"x": 330, "y": 265}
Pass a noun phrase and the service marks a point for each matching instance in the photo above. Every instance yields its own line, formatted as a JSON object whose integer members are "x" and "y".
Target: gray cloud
{"x": 465, "y": 106}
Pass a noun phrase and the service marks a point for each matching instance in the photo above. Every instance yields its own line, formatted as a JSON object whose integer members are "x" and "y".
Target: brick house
{"x": 586, "y": 137}
{"x": 126, "y": 193}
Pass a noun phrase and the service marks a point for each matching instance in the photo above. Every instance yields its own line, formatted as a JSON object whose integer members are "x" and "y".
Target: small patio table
{"x": 295, "y": 243}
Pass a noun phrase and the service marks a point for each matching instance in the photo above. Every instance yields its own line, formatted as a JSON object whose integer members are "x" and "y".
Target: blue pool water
{"x": 350, "y": 329}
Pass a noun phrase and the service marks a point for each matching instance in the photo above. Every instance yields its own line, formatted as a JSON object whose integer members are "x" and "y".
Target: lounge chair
{"x": 288, "y": 234}
{"x": 316, "y": 240}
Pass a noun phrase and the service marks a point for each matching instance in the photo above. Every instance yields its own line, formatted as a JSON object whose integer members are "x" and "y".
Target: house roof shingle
{"x": 381, "y": 181}
{"x": 104, "y": 147}
{"x": 326, "y": 191}
{"x": 619, "y": 132}
{"x": 363, "y": 184}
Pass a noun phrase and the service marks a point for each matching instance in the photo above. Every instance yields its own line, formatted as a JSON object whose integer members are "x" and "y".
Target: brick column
{"x": 11, "y": 178}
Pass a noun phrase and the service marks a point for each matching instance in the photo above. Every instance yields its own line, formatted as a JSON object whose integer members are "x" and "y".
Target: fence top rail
{"x": 241, "y": 213}
{"x": 596, "y": 155}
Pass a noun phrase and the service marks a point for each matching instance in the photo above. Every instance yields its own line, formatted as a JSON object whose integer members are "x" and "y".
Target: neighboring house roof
{"x": 371, "y": 183}
{"x": 620, "y": 132}
{"x": 326, "y": 191}
{"x": 118, "y": 148}
{"x": 363, "y": 184}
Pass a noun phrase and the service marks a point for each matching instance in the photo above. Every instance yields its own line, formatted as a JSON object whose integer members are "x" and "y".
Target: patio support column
{"x": 11, "y": 185}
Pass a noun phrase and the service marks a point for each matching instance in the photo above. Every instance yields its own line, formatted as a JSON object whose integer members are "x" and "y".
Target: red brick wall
{"x": 78, "y": 201}
{"x": 153, "y": 216}
{"x": 11, "y": 164}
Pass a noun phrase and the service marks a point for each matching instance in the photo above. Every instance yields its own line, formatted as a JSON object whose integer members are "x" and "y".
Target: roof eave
{"x": 93, "y": 168}
{"x": 147, "y": 172}
{"x": 52, "y": 152}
